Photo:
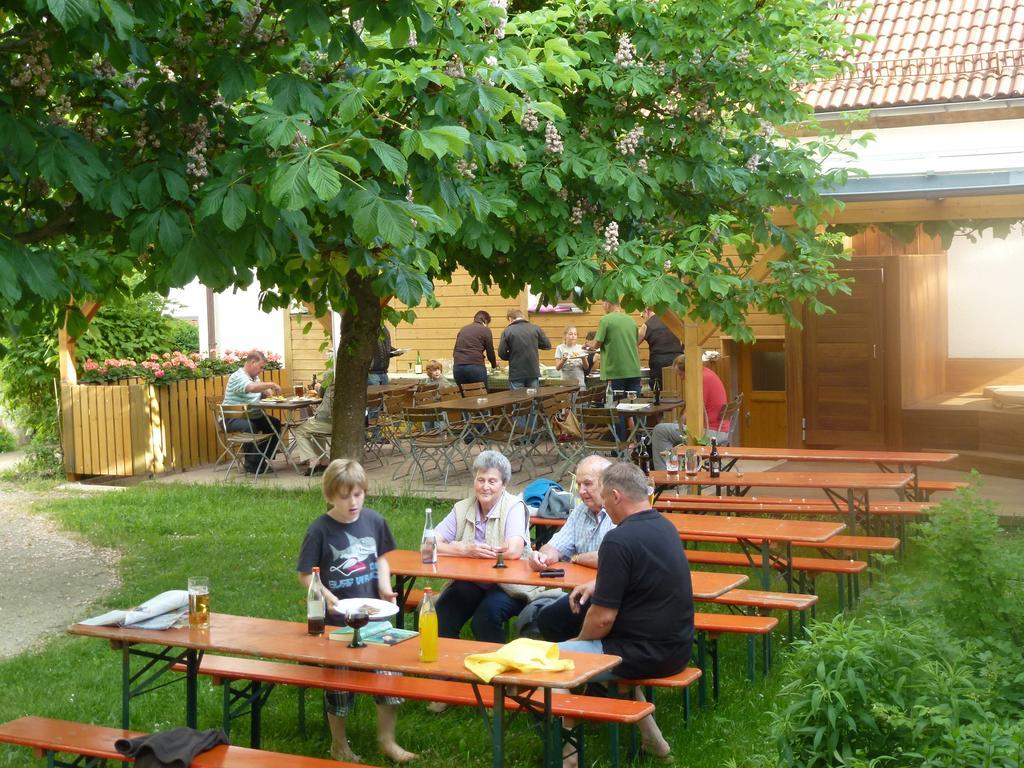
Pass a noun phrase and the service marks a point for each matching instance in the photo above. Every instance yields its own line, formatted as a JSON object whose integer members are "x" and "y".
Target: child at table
{"x": 350, "y": 544}
{"x": 572, "y": 359}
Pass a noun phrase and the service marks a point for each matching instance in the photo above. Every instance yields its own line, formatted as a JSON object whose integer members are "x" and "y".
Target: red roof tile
{"x": 930, "y": 51}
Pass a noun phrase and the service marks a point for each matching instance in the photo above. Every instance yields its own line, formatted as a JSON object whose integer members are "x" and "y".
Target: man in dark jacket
{"x": 519, "y": 344}
{"x": 663, "y": 344}
{"x": 382, "y": 354}
{"x": 472, "y": 345}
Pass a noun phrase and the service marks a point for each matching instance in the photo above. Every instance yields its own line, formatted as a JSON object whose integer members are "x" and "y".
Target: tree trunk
{"x": 359, "y": 331}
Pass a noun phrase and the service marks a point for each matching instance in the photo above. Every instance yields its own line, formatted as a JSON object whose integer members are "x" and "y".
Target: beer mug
{"x": 691, "y": 462}
{"x": 198, "y": 602}
{"x": 299, "y": 390}
{"x": 671, "y": 457}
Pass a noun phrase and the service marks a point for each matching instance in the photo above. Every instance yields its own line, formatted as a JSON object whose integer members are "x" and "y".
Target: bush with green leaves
{"x": 932, "y": 673}
{"x": 184, "y": 336}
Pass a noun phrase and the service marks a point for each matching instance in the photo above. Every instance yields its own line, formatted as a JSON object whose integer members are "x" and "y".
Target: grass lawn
{"x": 246, "y": 541}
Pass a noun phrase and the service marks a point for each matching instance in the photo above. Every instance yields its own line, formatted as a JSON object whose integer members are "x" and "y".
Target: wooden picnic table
{"x": 491, "y": 400}
{"x": 406, "y": 566}
{"x": 758, "y": 534}
{"x": 289, "y": 641}
{"x": 290, "y": 407}
{"x": 886, "y": 461}
{"x": 382, "y": 389}
{"x": 849, "y": 490}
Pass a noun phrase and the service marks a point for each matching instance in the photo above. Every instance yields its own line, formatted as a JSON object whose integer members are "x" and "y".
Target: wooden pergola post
{"x": 66, "y": 343}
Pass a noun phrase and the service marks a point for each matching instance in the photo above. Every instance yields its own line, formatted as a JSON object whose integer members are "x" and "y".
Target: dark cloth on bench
{"x": 170, "y": 749}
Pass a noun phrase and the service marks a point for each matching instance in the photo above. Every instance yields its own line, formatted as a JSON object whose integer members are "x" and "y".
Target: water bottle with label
{"x": 428, "y": 544}
{"x": 609, "y": 396}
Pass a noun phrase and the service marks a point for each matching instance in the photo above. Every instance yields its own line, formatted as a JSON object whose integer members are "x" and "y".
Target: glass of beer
{"x": 299, "y": 390}
{"x": 671, "y": 461}
{"x": 198, "y": 602}
{"x": 691, "y": 462}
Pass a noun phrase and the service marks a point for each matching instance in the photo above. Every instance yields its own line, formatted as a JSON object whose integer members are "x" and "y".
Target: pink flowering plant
{"x": 170, "y": 366}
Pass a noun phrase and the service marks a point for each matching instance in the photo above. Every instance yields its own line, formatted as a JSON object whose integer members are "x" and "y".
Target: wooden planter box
{"x": 137, "y": 428}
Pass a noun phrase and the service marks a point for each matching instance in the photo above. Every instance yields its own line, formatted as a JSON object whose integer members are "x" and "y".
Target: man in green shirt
{"x": 620, "y": 353}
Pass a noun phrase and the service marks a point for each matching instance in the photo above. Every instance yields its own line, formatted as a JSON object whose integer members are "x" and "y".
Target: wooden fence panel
{"x": 136, "y": 428}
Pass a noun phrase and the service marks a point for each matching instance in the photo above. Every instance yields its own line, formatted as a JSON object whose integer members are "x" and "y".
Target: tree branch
{"x": 59, "y": 226}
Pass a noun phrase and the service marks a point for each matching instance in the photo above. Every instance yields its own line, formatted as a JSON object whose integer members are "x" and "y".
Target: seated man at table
{"x": 314, "y": 432}
{"x": 668, "y": 435}
{"x": 245, "y": 388}
{"x": 640, "y": 606}
{"x": 577, "y": 541}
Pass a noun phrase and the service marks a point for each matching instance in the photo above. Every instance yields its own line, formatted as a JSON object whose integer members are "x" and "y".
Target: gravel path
{"x": 48, "y": 575}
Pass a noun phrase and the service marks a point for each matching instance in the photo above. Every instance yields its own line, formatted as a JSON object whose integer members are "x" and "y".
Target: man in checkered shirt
{"x": 577, "y": 541}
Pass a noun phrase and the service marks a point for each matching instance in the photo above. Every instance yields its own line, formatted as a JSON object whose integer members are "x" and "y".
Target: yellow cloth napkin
{"x": 521, "y": 655}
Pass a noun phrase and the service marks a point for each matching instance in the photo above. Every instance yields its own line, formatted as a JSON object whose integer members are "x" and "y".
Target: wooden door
{"x": 843, "y": 371}
{"x": 762, "y": 372}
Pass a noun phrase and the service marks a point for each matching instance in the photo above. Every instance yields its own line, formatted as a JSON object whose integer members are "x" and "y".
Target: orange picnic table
{"x": 289, "y": 641}
{"x": 406, "y": 566}
{"x": 847, "y": 490}
{"x": 885, "y": 461}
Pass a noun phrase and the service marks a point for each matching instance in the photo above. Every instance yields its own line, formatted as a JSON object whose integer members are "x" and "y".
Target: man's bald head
{"x": 588, "y": 480}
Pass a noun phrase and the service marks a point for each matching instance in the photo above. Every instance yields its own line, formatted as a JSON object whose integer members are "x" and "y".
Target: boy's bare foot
{"x": 344, "y": 753}
{"x": 396, "y": 754}
{"x": 437, "y": 707}
{"x": 657, "y": 748}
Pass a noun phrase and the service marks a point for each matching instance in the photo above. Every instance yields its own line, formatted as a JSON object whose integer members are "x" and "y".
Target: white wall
{"x": 189, "y": 303}
{"x": 986, "y": 296}
{"x": 238, "y": 321}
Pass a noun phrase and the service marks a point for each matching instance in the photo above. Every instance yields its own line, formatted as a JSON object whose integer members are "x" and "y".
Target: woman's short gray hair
{"x": 493, "y": 460}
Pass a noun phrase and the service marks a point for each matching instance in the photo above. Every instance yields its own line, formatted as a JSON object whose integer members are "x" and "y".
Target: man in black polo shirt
{"x": 640, "y": 606}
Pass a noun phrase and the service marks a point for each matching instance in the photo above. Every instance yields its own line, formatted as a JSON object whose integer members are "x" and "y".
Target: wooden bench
{"x": 926, "y": 488}
{"x": 260, "y": 677}
{"x": 844, "y": 570}
{"x": 710, "y": 626}
{"x": 49, "y": 737}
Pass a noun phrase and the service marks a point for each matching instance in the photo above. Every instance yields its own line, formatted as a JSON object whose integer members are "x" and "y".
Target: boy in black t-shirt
{"x": 350, "y": 544}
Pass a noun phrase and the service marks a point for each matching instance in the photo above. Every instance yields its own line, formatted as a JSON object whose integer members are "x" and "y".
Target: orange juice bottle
{"x": 428, "y": 627}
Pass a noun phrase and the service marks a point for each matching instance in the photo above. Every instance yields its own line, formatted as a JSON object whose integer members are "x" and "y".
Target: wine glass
{"x": 357, "y": 620}
{"x": 500, "y": 562}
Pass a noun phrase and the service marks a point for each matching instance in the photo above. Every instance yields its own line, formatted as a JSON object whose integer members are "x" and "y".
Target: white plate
{"x": 384, "y": 608}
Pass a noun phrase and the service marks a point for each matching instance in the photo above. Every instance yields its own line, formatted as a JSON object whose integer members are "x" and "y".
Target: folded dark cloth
{"x": 170, "y": 749}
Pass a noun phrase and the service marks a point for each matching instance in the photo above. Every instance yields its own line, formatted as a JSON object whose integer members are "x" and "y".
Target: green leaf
{"x": 120, "y": 16}
{"x": 390, "y": 158}
{"x": 233, "y": 210}
{"x": 171, "y": 236}
{"x": 234, "y": 77}
{"x": 292, "y": 94}
{"x": 149, "y": 190}
{"x": 289, "y": 188}
{"x": 323, "y": 178}
{"x": 393, "y": 223}
{"x": 456, "y": 137}
{"x": 176, "y": 185}
{"x": 71, "y": 13}
{"x": 38, "y": 270}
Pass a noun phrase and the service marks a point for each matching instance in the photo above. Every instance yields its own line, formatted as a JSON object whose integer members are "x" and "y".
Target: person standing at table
{"x": 520, "y": 342}
{"x": 473, "y": 343}
{"x": 245, "y": 388}
{"x": 667, "y": 435}
{"x": 616, "y": 339}
{"x": 663, "y": 345}
{"x": 640, "y": 606}
{"x": 382, "y": 354}
{"x": 572, "y": 359}
{"x": 350, "y": 544}
{"x": 577, "y": 541}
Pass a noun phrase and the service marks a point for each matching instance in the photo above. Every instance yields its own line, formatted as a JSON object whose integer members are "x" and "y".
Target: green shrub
{"x": 184, "y": 336}
{"x": 7, "y": 441}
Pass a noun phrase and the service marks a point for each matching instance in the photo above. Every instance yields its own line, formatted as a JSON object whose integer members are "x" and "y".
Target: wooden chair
{"x": 431, "y": 445}
{"x": 568, "y": 448}
{"x": 600, "y": 428}
{"x": 728, "y": 422}
{"x": 473, "y": 389}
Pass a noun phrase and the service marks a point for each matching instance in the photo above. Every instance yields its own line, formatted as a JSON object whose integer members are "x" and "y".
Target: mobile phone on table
{"x": 552, "y": 573}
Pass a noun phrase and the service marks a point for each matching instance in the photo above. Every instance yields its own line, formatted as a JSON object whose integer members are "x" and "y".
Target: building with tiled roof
{"x": 930, "y": 52}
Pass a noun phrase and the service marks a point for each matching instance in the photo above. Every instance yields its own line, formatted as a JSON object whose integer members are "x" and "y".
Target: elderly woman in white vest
{"x": 477, "y": 527}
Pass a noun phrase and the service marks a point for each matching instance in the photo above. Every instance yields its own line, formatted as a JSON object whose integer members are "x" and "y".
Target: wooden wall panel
{"x": 922, "y": 326}
{"x": 306, "y": 353}
{"x": 972, "y": 375}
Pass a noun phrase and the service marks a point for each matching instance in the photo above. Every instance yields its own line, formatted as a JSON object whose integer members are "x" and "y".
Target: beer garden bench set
{"x": 267, "y": 653}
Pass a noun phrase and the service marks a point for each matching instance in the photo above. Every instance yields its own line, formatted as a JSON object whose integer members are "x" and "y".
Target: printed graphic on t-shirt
{"x": 355, "y": 564}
